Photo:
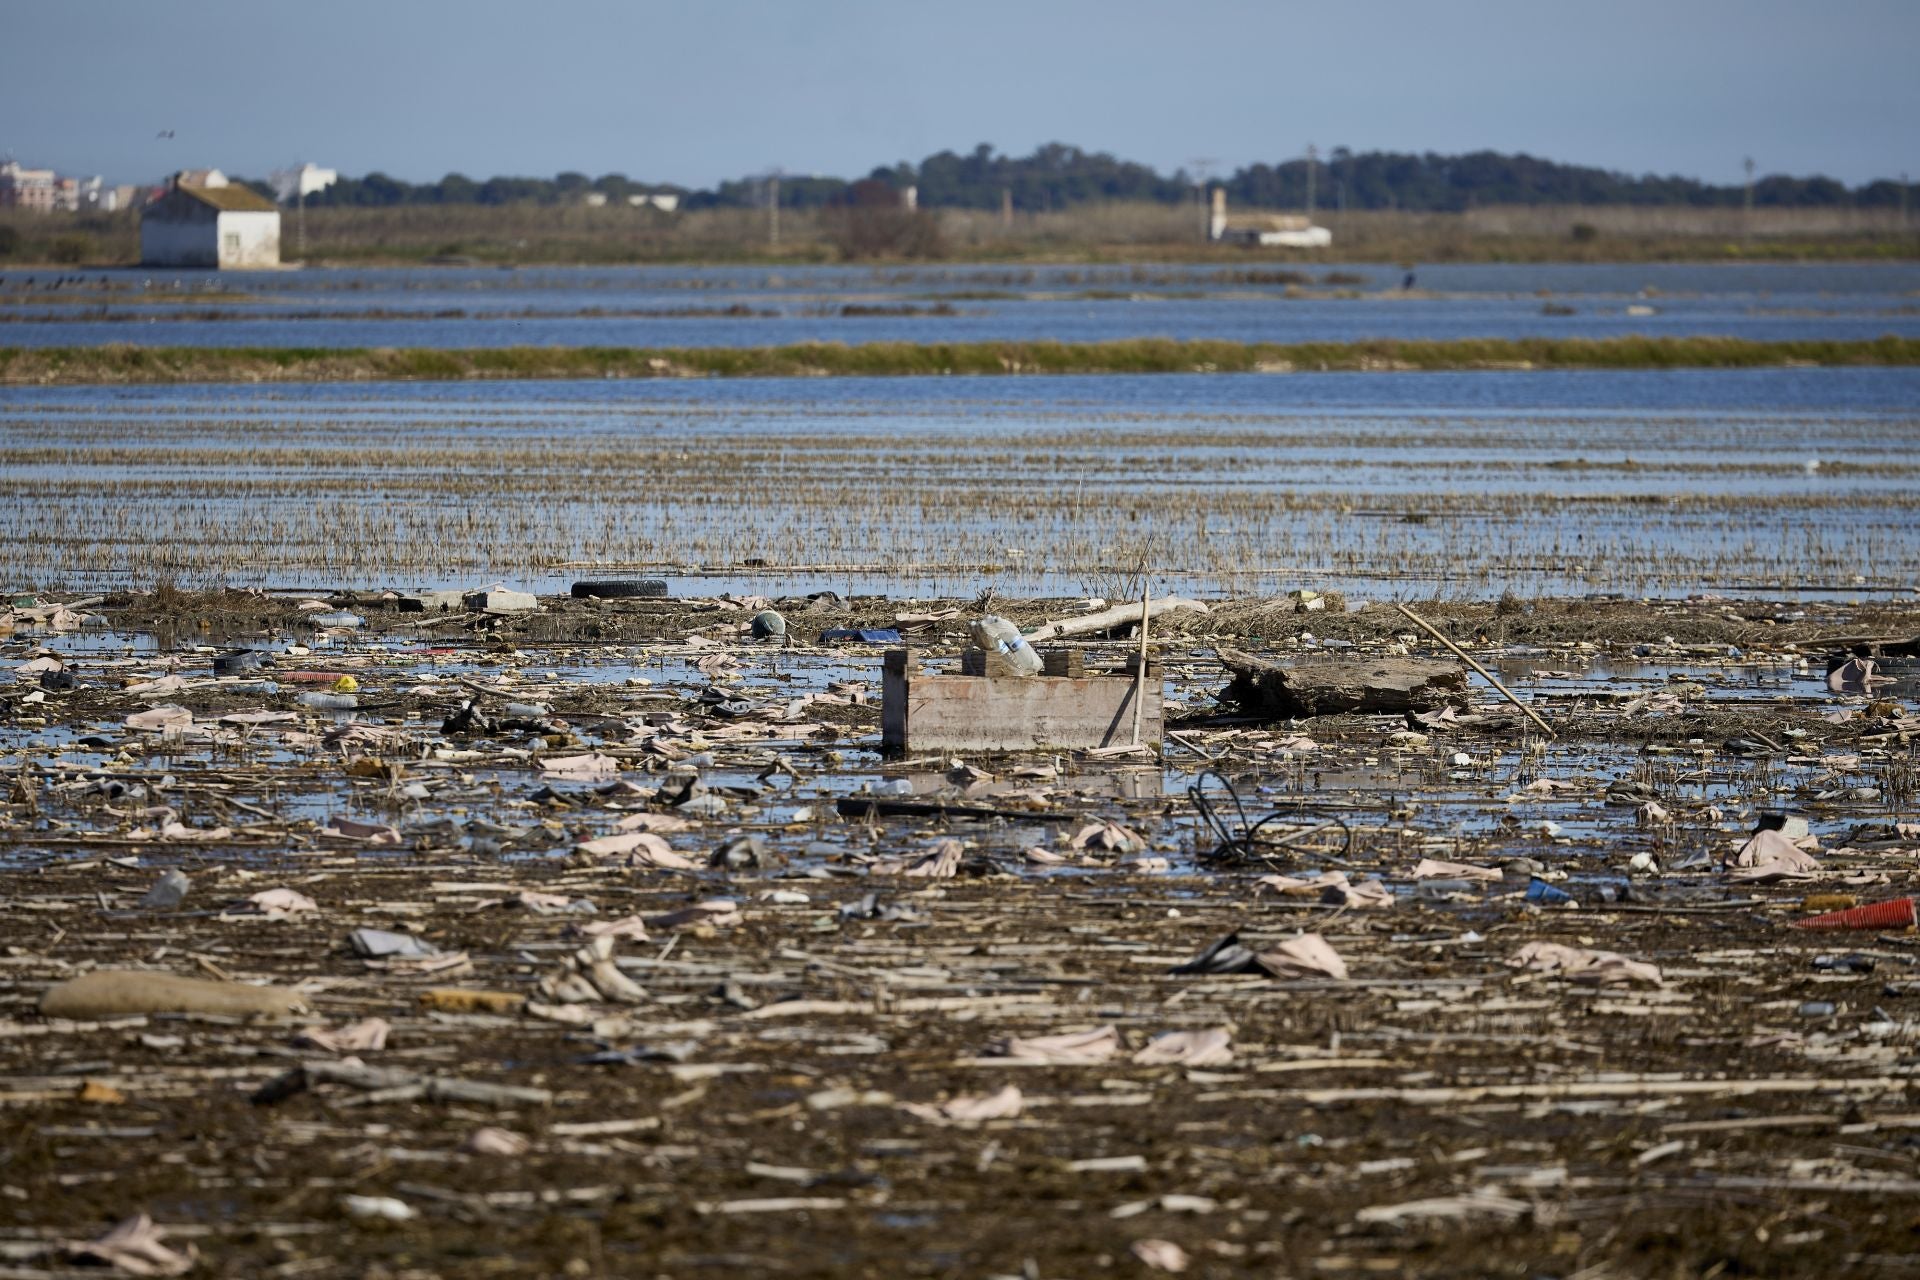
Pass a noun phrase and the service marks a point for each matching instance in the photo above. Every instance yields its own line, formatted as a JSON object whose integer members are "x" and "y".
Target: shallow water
{"x": 1772, "y": 301}
{"x": 1666, "y": 481}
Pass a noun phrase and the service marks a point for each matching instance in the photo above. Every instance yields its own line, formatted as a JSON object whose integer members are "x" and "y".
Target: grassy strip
{"x": 119, "y": 363}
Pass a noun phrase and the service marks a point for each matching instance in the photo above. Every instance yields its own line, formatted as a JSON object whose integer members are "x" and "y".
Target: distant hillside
{"x": 1057, "y": 176}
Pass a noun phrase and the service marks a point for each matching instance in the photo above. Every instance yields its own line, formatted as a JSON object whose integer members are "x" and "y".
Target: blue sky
{"x": 700, "y": 90}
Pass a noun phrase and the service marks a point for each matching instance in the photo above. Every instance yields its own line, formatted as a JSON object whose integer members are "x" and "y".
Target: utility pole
{"x": 1903, "y": 202}
{"x": 1202, "y": 166}
{"x": 773, "y": 210}
{"x": 1746, "y": 219}
{"x": 1311, "y": 156}
{"x": 300, "y": 217}
{"x": 1343, "y": 177}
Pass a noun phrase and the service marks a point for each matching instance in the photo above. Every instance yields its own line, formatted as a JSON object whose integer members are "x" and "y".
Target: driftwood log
{"x": 1329, "y": 686}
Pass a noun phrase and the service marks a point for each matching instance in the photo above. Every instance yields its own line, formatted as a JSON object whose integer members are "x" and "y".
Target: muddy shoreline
{"x": 787, "y": 1095}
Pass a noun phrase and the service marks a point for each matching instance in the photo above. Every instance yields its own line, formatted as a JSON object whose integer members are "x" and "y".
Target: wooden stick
{"x": 1140, "y": 675}
{"x": 1462, "y": 654}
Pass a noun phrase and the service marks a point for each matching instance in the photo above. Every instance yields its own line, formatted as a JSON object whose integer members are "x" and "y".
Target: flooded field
{"x": 591, "y": 970}
{"x": 740, "y": 306}
{"x": 602, "y": 937}
{"x": 1795, "y": 480}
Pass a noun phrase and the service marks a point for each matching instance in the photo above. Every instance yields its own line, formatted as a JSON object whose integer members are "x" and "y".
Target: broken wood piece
{"x": 392, "y": 1082}
{"x": 461, "y": 1000}
{"x": 1333, "y": 686}
{"x": 1140, "y": 668}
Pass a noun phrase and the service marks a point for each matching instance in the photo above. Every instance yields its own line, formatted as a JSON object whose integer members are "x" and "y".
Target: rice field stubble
{"x": 416, "y": 486}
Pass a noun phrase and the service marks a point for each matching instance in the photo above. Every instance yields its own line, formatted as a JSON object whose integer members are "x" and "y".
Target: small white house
{"x": 226, "y": 227}
{"x": 1267, "y": 230}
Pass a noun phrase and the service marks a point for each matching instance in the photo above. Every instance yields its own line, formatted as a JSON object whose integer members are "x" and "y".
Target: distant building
{"x": 307, "y": 180}
{"x": 1267, "y": 230}
{"x": 665, "y": 201}
{"x": 595, "y": 199}
{"x": 221, "y": 226}
{"x": 31, "y": 189}
{"x": 75, "y": 195}
{"x": 201, "y": 178}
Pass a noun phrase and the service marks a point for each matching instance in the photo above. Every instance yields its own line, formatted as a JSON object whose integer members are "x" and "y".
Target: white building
{"x": 1268, "y": 230}
{"x": 664, "y": 201}
{"x": 224, "y": 226}
{"x": 22, "y": 188}
{"x": 295, "y": 184}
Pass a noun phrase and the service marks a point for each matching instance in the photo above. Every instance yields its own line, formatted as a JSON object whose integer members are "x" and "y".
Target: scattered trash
{"x": 1307, "y": 956}
{"x": 1433, "y": 869}
{"x": 620, "y": 589}
{"x": 1855, "y": 677}
{"x": 384, "y": 1208}
{"x": 369, "y": 1035}
{"x": 378, "y": 944}
{"x": 861, "y": 635}
{"x": 492, "y": 891}
{"x": 1897, "y": 913}
{"x": 1007, "y": 651}
{"x": 168, "y": 892}
{"x": 136, "y": 1246}
{"x": 1583, "y": 965}
{"x": 1161, "y": 1255}
{"x": 489, "y": 1141}
{"x": 238, "y": 662}
{"x": 1072, "y": 1048}
{"x": 1547, "y": 895}
{"x": 969, "y": 1108}
{"x": 1209, "y": 1048}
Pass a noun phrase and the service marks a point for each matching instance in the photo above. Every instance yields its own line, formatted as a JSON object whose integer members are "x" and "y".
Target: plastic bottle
{"x": 993, "y": 634}
{"x": 329, "y": 701}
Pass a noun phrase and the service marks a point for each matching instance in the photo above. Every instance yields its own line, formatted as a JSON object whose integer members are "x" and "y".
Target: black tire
{"x": 621, "y": 589}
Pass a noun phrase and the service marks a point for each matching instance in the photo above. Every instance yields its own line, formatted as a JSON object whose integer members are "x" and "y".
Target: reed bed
{"x": 1091, "y": 232}
{"x": 124, "y": 363}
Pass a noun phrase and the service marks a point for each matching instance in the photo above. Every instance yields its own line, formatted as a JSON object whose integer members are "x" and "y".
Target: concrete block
{"x": 502, "y": 601}
{"x": 431, "y": 602}
{"x": 920, "y": 713}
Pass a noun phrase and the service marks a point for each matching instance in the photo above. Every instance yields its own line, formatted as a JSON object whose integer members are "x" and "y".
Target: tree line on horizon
{"x": 1056, "y": 176}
